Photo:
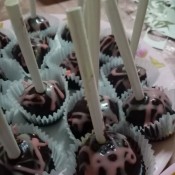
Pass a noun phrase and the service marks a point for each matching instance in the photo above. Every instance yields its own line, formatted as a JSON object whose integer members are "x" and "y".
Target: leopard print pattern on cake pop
{"x": 114, "y": 157}
{"x": 150, "y": 109}
{"x": 79, "y": 119}
{"x": 119, "y": 79}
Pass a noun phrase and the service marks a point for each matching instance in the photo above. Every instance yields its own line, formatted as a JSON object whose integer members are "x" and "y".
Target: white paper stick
{"x": 138, "y": 24}
{"x": 7, "y": 138}
{"x": 33, "y": 8}
{"x": 24, "y": 42}
{"x": 81, "y": 3}
{"x": 92, "y": 10}
{"x": 122, "y": 41}
{"x": 78, "y": 33}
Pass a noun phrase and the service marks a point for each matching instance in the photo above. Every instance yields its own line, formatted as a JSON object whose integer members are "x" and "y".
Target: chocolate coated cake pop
{"x": 119, "y": 78}
{"x": 119, "y": 155}
{"x": 35, "y": 157}
{"x": 108, "y": 46}
{"x": 65, "y": 35}
{"x": 79, "y": 119}
{"x": 150, "y": 109}
{"x": 44, "y": 104}
{"x": 71, "y": 64}
{"x": 40, "y": 48}
{"x": 37, "y": 23}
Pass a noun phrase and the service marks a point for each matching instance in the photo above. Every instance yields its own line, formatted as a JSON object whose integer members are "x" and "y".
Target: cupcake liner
{"x": 18, "y": 88}
{"x": 106, "y": 91}
{"x": 4, "y": 86}
{"x": 45, "y": 33}
{"x": 145, "y": 148}
{"x": 59, "y": 154}
{"x": 55, "y": 59}
{"x": 76, "y": 80}
{"x": 7, "y": 50}
{"x": 158, "y": 130}
{"x": 9, "y": 34}
{"x": 10, "y": 114}
{"x": 151, "y": 71}
{"x": 11, "y": 69}
{"x": 60, "y": 31}
{"x": 1, "y": 54}
{"x": 106, "y": 59}
{"x": 5, "y": 102}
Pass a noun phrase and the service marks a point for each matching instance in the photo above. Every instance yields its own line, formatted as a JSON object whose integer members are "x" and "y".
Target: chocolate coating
{"x": 119, "y": 155}
{"x": 108, "y": 46}
{"x": 37, "y": 23}
{"x": 65, "y": 35}
{"x": 71, "y": 65}
{"x": 150, "y": 109}
{"x": 35, "y": 157}
{"x": 119, "y": 78}
{"x": 45, "y": 103}
{"x": 79, "y": 119}
{"x": 40, "y": 48}
{"x": 4, "y": 40}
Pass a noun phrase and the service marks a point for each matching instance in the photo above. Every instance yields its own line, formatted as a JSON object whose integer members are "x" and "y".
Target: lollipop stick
{"x": 120, "y": 36}
{"x": 81, "y": 3}
{"x": 33, "y": 8}
{"x": 7, "y": 138}
{"x": 24, "y": 42}
{"x": 138, "y": 24}
{"x": 92, "y": 10}
{"x": 78, "y": 33}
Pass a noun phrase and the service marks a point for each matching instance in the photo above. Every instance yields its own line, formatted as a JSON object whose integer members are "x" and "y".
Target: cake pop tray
{"x": 163, "y": 149}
